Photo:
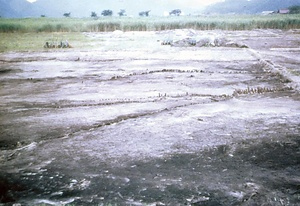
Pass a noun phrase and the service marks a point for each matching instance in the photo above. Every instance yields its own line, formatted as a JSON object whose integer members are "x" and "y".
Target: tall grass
{"x": 105, "y": 24}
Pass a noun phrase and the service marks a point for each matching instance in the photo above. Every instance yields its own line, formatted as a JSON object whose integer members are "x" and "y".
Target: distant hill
{"x": 249, "y": 6}
{"x": 14, "y": 8}
{"x": 51, "y": 8}
{"x": 82, "y": 8}
{"x": 78, "y": 8}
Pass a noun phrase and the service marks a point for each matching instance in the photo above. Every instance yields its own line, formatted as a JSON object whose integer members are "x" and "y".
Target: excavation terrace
{"x": 153, "y": 118}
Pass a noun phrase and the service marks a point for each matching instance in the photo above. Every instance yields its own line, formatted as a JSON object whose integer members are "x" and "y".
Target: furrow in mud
{"x": 278, "y": 70}
{"x": 123, "y": 118}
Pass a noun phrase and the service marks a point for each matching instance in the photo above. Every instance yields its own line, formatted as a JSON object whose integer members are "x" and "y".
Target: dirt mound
{"x": 191, "y": 38}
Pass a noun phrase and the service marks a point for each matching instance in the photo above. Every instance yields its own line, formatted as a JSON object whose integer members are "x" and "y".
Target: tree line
{"x": 122, "y": 12}
{"x": 175, "y": 12}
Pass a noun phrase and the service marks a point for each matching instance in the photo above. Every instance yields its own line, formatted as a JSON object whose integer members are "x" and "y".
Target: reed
{"x": 106, "y": 24}
{"x": 11, "y": 27}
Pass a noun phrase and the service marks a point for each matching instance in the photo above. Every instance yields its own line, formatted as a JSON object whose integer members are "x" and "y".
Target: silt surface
{"x": 129, "y": 121}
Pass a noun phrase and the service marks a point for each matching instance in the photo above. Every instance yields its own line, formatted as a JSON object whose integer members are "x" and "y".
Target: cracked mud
{"x": 135, "y": 122}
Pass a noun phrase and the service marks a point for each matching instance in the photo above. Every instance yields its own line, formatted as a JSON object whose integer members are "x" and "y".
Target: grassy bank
{"x": 103, "y": 24}
{"x": 36, "y": 41}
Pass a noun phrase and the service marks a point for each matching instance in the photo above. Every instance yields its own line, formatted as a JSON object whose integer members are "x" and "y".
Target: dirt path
{"x": 134, "y": 122}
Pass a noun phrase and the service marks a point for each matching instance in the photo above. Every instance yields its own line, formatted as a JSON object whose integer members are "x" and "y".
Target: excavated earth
{"x": 129, "y": 121}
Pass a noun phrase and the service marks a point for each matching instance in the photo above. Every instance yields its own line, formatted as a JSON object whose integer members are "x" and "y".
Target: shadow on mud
{"x": 256, "y": 172}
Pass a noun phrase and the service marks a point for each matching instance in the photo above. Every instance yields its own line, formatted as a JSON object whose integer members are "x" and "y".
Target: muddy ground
{"x": 128, "y": 121}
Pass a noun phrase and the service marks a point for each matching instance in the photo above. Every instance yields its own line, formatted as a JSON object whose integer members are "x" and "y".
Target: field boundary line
{"x": 292, "y": 80}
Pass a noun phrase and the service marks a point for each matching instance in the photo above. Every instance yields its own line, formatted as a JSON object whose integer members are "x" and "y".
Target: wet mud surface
{"x": 135, "y": 122}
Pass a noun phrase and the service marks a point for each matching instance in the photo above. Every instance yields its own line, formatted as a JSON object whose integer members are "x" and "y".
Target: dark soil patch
{"x": 4, "y": 71}
{"x": 241, "y": 174}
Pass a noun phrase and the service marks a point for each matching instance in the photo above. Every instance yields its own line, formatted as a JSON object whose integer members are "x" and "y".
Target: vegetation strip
{"x": 107, "y": 24}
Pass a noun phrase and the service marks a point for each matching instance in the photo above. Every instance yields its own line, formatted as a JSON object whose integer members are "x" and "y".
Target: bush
{"x": 294, "y": 10}
{"x": 107, "y": 13}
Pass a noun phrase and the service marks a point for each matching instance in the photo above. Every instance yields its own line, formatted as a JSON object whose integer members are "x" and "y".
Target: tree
{"x": 43, "y": 15}
{"x": 67, "y": 14}
{"x": 107, "y": 13}
{"x": 144, "y": 13}
{"x": 175, "y": 12}
{"x": 94, "y": 14}
{"x": 122, "y": 12}
{"x": 294, "y": 9}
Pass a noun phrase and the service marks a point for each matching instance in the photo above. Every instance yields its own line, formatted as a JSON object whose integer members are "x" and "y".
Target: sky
{"x": 196, "y": 2}
{"x": 132, "y": 7}
{"x": 180, "y": 2}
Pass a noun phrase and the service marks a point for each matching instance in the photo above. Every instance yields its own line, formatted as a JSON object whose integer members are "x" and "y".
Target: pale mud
{"x": 134, "y": 122}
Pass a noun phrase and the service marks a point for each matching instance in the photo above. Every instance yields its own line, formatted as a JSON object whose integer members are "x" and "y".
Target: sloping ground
{"x": 149, "y": 124}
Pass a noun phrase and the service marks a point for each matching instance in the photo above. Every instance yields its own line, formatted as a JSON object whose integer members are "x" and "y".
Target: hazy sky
{"x": 179, "y": 2}
{"x": 194, "y": 2}
{"x": 132, "y": 7}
